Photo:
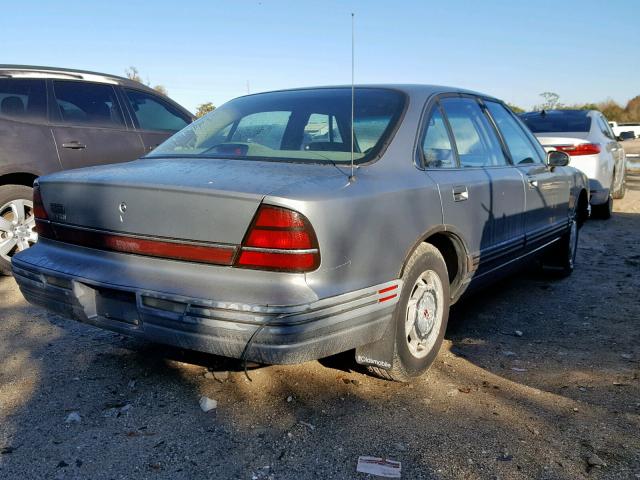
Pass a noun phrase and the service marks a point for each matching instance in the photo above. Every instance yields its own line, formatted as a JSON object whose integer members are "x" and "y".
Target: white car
{"x": 588, "y": 139}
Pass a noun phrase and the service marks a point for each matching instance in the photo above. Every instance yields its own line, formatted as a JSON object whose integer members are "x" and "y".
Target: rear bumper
{"x": 288, "y": 333}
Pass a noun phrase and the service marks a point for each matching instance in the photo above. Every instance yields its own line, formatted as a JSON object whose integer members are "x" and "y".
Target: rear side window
{"x": 153, "y": 113}
{"x": 90, "y": 104}
{"x": 604, "y": 127}
{"x": 436, "y": 145}
{"x": 520, "y": 147}
{"x": 23, "y": 99}
{"x": 557, "y": 121}
{"x": 476, "y": 140}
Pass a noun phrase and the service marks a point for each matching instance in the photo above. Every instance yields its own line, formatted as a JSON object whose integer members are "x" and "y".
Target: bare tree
{"x": 132, "y": 73}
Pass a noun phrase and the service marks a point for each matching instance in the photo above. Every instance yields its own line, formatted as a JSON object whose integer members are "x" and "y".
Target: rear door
{"x": 155, "y": 118}
{"x": 616, "y": 150}
{"x": 482, "y": 195}
{"x": 88, "y": 125}
{"x": 546, "y": 189}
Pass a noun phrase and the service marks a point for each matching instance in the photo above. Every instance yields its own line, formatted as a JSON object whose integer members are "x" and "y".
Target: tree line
{"x": 609, "y": 108}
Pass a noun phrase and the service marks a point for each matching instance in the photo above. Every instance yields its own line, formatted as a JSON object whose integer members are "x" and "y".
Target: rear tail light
{"x": 580, "y": 149}
{"x": 43, "y": 227}
{"x": 38, "y": 206}
{"x": 279, "y": 239}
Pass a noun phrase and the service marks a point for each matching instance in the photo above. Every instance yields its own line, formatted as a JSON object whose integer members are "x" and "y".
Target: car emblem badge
{"x": 122, "y": 208}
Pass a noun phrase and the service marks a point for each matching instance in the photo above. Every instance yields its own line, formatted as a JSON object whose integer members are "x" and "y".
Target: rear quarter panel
{"x": 27, "y": 148}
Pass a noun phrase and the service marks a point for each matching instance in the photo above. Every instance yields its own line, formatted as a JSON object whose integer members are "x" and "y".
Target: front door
{"x": 155, "y": 119}
{"x": 88, "y": 125}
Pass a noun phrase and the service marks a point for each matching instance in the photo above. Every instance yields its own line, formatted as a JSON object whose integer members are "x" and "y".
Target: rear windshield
{"x": 299, "y": 125}
{"x": 557, "y": 121}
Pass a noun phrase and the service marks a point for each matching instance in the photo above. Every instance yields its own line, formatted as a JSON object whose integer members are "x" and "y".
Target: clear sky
{"x": 207, "y": 50}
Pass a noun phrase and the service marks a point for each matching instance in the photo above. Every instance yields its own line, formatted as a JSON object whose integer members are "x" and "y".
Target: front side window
{"x": 520, "y": 148}
{"x": 436, "y": 145}
{"x": 90, "y": 104}
{"x": 23, "y": 99}
{"x": 312, "y": 125}
{"x": 152, "y": 113}
{"x": 476, "y": 140}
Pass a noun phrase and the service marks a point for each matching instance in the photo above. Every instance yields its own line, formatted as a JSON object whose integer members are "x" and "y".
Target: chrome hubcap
{"x": 17, "y": 227}
{"x": 424, "y": 314}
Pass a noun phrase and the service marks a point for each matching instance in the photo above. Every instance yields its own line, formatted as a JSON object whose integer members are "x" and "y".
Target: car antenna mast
{"x": 352, "y": 177}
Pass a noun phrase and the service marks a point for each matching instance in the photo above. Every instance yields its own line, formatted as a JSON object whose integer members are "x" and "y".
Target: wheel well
{"x": 582, "y": 213}
{"x": 25, "y": 179}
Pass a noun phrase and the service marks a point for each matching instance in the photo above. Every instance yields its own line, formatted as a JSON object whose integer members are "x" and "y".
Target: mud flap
{"x": 380, "y": 353}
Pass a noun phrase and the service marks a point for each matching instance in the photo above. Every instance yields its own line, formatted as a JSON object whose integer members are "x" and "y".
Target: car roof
{"x": 411, "y": 89}
{"x": 31, "y": 71}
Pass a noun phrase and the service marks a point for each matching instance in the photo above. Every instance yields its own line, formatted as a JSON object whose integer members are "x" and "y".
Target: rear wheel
{"x": 17, "y": 223}
{"x": 420, "y": 316}
{"x": 603, "y": 211}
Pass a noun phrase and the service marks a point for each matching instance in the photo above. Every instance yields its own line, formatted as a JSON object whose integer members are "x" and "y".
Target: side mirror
{"x": 556, "y": 158}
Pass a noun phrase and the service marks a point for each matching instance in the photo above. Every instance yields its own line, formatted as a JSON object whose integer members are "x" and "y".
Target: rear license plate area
{"x": 117, "y": 305}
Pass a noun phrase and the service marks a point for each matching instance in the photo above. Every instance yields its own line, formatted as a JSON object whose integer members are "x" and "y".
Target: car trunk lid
{"x": 200, "y": 200}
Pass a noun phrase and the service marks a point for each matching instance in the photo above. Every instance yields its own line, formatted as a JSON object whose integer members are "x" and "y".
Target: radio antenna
{"x": 352, "y": 177}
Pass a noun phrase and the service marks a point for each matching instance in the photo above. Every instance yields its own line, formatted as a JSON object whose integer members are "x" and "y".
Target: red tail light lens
{"x": 580, "y": 149}
{"x": 38, "y": 206}
{"x": 279, "y": 239}
{"x": 43, "y": 227}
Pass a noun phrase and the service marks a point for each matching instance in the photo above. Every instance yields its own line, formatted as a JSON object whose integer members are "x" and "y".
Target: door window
{"x": 436, "y": 144}
{"x": 604, "y": 127}
{"x": 84, "y": 103}
{"x": 153, "y": 113}
{"x": 476, "y": 140}
{"x": 23, "y": 99}
{"x": 520, "y": 148}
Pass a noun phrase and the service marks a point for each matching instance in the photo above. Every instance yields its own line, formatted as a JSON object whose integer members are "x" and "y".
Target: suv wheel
{"x": 17, "y": 223}
{"x": 420, "y": 316}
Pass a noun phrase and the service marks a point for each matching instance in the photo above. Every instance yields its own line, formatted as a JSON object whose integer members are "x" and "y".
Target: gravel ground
{"x": 561, "y": 401}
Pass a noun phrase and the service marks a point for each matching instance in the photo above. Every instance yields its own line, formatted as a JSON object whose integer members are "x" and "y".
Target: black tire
{"x": 559, "y": 260}
{"x": 603, "y": 211}
{"x": 427, "y": 259}
{"x": 9, "y": 193}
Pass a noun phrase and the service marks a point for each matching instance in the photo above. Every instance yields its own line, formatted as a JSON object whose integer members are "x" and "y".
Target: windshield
{"x": 298, "y": 125}
{"x": 557, "y": 121}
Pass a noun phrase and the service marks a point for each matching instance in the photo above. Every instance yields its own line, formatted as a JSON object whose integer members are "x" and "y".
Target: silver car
{"x": 246, "y": 234}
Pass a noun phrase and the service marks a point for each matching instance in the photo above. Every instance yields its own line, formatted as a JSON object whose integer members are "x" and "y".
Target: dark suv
{"x": 54, "y": 119}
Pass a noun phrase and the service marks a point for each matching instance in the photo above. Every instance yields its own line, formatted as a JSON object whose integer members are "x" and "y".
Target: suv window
{"x": 153, "y": 113}
{"x": 436, "y": 144}
{"x": 83, "y": 103}
{"x": 23, "y": 99}
{"x": 519, "y": 145}
{"x": 476, "y": 140}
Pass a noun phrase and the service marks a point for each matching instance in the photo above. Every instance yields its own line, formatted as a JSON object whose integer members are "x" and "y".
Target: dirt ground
{"x": 561, "y": 401}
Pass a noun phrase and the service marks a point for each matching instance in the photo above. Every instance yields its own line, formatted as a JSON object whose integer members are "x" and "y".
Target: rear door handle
{"x": 74, "y": 145}
{"x": 460, "y": 193}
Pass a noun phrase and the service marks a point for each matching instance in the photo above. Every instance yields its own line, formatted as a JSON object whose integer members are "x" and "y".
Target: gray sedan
{"x": 246, "y": 234}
